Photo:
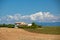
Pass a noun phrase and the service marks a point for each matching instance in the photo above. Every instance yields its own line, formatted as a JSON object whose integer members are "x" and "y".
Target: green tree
{"x": 34, "y": 25}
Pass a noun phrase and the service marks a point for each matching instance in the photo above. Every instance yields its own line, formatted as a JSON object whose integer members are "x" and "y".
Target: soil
{"x": 21, "y": 34}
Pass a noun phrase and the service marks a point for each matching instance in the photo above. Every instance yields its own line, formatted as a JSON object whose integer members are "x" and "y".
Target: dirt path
{"x": 20, "y": 34}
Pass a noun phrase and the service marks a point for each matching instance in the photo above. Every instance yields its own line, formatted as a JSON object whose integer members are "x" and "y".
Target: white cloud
{"x": 39, "y": 16}
{"x": 36, "y": 16}
{"x": 10, "y": 16}
{"x": 14, "y": 17}
{"x": 43, "y": 17}
{"x": 0, "y": 19}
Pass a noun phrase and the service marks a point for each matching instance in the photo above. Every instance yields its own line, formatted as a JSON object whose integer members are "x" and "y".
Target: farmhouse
{"x": 21, "y": 24}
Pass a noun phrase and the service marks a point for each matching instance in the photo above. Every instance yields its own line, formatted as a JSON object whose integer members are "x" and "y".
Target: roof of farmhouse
{"x": 20, "y": 23}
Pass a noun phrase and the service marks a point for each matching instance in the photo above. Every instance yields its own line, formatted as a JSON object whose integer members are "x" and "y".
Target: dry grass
{"x": 20, "y": 34}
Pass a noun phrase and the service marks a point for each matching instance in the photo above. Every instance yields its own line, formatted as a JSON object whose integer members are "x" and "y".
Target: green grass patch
{"x": 45, "y": 30}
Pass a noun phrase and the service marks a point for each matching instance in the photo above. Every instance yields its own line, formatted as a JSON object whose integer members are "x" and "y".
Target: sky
{"x": 29, "y": 10}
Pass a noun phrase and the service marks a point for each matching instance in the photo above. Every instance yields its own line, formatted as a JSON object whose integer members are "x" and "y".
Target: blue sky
{"x": 28, "y": 7}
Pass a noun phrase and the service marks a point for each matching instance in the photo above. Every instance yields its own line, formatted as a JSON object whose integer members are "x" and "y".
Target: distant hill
{"x": 48, "y": 23}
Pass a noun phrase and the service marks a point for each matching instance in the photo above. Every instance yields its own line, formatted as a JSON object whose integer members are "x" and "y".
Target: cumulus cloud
{"x": 36, "y": 16}
{"x": 39, "y": 16}
{"x": 0, "y": 19}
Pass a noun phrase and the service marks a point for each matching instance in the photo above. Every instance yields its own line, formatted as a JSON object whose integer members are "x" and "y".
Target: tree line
{"x": 7, "y": 25}
{"x": 34, "y": 25}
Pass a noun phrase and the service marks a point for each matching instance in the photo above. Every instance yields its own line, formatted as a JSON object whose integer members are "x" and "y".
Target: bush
{"x": 11, "y": 25}
{"x": 22, "y": 26}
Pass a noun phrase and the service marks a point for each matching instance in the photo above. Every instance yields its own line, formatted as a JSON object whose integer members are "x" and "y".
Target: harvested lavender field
{"x": 21, "y": 34}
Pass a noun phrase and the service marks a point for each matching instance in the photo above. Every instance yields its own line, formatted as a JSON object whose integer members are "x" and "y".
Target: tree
{"x": 34, "y": 25}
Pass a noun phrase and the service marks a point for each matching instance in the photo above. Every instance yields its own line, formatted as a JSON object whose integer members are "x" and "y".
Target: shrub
{"x": 11, "y": 25}
{"x": 22, "y": 26}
